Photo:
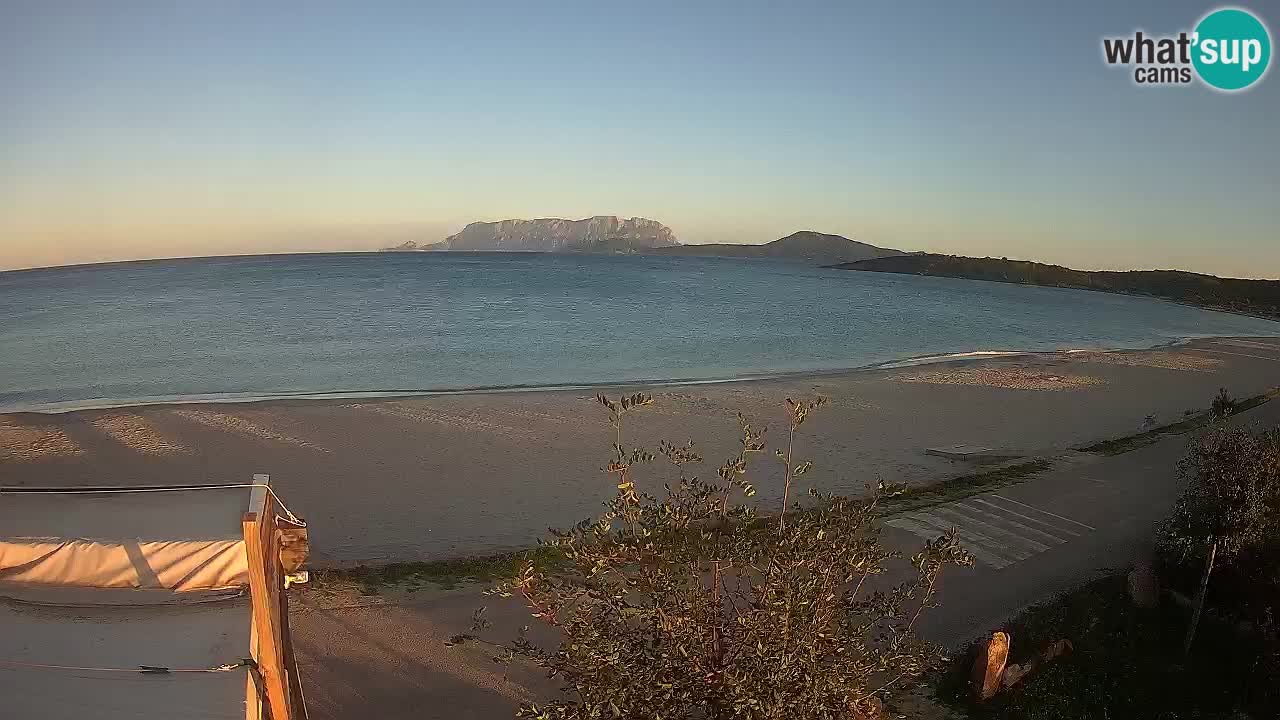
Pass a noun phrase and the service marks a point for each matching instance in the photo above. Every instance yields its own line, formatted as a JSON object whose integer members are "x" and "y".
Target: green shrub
{"x": 1232, "y": 498}
{"x": 691, "y": 604}
{"x": 1223, "y": 404}
{"x": 1230, "y": 511}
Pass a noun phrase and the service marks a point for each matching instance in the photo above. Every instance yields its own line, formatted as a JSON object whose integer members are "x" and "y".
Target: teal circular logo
{"x": 1231, "y": 49}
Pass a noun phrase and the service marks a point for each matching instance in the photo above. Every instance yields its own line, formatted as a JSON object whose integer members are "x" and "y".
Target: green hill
{"x": 804, "y": 246}
{"x": 1254, "y": 297}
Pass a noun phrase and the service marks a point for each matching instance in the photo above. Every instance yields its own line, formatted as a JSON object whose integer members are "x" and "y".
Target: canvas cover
{"x": 94, "y": 585}
{"x": 122, "y": 548}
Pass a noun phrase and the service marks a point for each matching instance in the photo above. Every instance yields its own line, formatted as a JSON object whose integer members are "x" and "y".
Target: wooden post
{"x": 1204, "y": 587}
{"x": 293, "y": 552}
{"x": 266, "y": 585}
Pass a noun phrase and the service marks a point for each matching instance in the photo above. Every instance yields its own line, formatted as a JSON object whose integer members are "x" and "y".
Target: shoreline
{"x": 397, "y": 479}
{"x": 63, "y": 407}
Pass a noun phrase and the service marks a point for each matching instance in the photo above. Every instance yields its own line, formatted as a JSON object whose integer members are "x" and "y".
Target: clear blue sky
{"x": 159, "y": 129}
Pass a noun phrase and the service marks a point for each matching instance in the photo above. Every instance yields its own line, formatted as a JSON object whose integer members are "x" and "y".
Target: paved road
{"x": 1030, "y": 541}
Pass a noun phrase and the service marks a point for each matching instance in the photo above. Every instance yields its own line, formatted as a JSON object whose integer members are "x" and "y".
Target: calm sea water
{"x": 282, "y": 325}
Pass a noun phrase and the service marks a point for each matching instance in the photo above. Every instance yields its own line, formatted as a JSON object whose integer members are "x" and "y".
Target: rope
{"x": 141, "y": 669}
{"x": 161, "y": 488}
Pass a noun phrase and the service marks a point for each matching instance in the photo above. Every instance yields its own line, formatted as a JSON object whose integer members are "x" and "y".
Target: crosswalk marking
{"x": 999, "y": 535}
{"x": 978, "y": 498}
{"x": 926, "y": 531}
{"x": 988, "y": 526}
{"x": 1046, "y": 512}
{"x": 974, "y": 539}
{"x": 987, "y": 516}
{"x": 961, "y": 514}
{"x": 1003, "y": 548}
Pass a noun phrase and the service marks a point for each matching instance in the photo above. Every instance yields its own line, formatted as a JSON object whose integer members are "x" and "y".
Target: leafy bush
{"x": 693, "y": 605}
{"x": 1223, "y": 404}
{"x": 1232, "y": 498}
{"x": 1230, "y": 512}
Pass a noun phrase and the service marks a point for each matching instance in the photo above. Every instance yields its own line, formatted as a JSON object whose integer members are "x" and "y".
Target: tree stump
{"x": 988, "y": 667}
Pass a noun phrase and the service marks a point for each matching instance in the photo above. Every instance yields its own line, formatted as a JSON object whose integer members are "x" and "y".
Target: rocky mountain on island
{"x": 804, "y": 246}
{"x": 410, "y": 246}
{"x": 640, "y": 236}
{"x": 600, "y": 234}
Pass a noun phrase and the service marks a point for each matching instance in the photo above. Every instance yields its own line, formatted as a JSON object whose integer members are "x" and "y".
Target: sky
{"x": 133, "y": 130}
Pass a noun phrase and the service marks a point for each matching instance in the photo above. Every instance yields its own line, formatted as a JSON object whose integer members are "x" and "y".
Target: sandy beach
{"x": 433, "y": 477}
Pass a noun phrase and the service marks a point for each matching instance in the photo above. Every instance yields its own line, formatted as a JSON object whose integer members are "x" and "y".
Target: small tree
{"x": 691, "y": 605}
{"x": 1229, "y": 513}
{"x": 1223, "y": 405}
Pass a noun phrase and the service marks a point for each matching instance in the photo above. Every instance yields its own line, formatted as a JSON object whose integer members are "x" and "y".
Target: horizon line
{"x": 381, "y": 251}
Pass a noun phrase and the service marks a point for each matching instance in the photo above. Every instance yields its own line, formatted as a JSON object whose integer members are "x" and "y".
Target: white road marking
{"x": 977, "y": 498}
{"x": 981, "y": 539}
{"x": 989, "y": 530}
{"x": 988, "y": 517}
{"x": 1046, "y": 512}
{"x": 927, "y": 532}
{"x": 1008, "y": 538}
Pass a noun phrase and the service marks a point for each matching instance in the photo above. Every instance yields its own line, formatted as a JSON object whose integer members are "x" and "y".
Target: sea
{"x": 370, "y": 324}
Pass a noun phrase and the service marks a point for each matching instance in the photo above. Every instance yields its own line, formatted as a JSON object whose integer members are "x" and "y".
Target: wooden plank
{"x": 265, "y": 585}
{"x": 275, "y": 589}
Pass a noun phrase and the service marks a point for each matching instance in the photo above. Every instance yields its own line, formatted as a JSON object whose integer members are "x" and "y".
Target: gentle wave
{"x": 57, "y": 408}
{"x": 952, "y": 357}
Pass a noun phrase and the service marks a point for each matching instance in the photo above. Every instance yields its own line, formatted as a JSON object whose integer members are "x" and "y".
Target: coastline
{"x": 252, "y": 397}
{"x": 402, "y": 479}
{"x": 1274, "y": 317}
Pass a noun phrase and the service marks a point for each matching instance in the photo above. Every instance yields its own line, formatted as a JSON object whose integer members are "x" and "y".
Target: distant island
{"x": 804, "y": 246}
{"x": 638, "y": 236}
{"x": 599, "y": 234}
{"x": 610, "y": 234}
{"x": 1252, "y": 297}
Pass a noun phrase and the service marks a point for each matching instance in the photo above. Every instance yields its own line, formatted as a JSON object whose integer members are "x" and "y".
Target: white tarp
{"x": 177, "y": 566}
{"x": 108, "y": 582}
{"x": 132, "y": 548}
